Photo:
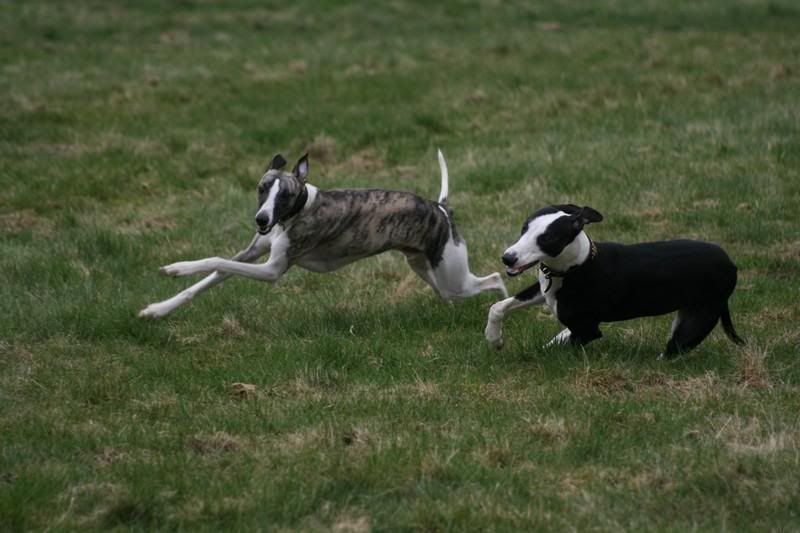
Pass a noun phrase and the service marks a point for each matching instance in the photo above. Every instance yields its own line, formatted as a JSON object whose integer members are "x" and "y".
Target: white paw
{"x": 154, "y": 311}
{"x": 183, "y": 268}
{"x": 494, "y": 335}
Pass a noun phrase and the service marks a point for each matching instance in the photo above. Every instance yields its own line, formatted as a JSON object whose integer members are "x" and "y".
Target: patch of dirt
{"x": 750, "y": 436}
{"x": 613, "y": 382}
{"x": 494, "y": 457}
{"x": 703, "y": 387}
{"x": 26, "y": 220}
{"x": 476, "y": 97}
{"x": 549, "y": 26}
{"x": 363, "y": 161}
{"x": 417, "y": 389}
{"x": 356, "y": 437}
{"x": 779, "y": 72}
{"x": 322, "y": 149}
{"x": 298, "y": 67}
{"x": 300, "y": 440}
{"x": 787, "y": 250}
{"x": 243, "y": 391}
{"x": 602, "y": 381}
{"x": 776, "y": 315}
{"x": 549, "y": 430}
{"x": 88, "y": 503}
{"x": 751, "y": 367}
{"x": 218, "y": 442}
{"x": 348, "y": 523}
{"x": 649, "y": 480}
{"x": 231, "y": 327}
{"x": 109, "y": 456}
{"x": 706, "y": 203}
{"x": 411, "y": 284}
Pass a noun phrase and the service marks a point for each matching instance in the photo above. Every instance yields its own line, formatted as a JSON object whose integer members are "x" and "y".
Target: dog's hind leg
{"x": 562, "y": 338}
{"x": 454, "y": 279}
{"x": 257, "y": 248}
{"x": 420, "y": 265}
{"x": 494, "y": 323}
{"x": 689, "y": 328}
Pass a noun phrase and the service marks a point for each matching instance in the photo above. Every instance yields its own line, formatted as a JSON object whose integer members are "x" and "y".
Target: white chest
{"x": 550, "y": 295}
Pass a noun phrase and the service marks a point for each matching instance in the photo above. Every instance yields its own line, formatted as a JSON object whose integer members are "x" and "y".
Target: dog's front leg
{"x": 259, "y": 246}
{"x": 275, "y": 266}
{"x": 494, "y": 324}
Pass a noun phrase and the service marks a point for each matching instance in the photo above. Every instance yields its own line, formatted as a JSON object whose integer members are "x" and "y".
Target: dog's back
{"x": 648, "y": 279}
{"x": 365, "y": 222}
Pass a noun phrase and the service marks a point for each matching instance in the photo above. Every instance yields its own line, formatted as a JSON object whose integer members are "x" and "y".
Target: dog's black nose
{"x": 262, "y": 219}
{"x": 509, "y": 259}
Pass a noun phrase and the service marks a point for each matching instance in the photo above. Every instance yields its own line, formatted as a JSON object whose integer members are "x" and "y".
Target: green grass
{"x": 132, "y": 135}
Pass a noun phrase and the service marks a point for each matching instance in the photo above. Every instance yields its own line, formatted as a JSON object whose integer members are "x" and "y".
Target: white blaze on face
{"x": 526, "y": 248}
{"x": 268, "y": 206}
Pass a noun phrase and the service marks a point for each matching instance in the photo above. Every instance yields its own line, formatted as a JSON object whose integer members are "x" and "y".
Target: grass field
{"x": 133, "y": 134}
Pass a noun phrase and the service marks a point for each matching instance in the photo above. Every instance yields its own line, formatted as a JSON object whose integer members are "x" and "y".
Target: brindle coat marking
{"x": 323, "y": 230}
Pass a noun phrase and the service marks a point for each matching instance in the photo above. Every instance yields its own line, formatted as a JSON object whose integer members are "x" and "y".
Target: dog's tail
{"x": 443, "y": 170}
{"x": 727, "y": 325}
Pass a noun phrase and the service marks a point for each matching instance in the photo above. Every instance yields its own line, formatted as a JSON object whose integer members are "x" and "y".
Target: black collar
{"x": 298, "y": 205}
{"x": 549, "y": 273}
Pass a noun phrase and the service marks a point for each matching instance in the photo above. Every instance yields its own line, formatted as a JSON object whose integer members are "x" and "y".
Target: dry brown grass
{"x": 751, "y": 367}
{"x": 615, "y": 382}
{"x": 26, "y": 220}
{"x": 751, "y": 435}
{"x": 601, "y": 381}
{"x": 231, "y": 327}
{"x": 551, "y": 430}
{"x": 350, "y": 522}
{"x": 243, "y": 391}
{"x": 322, "y": 149}
{"x": 215, "y": 443}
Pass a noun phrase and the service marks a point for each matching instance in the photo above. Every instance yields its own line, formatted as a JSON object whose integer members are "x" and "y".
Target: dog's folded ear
{"x": 570, "y": 209}
{"x": 584, "y": 215}
{"x": 590, "y": 215}
{"x": 300, "y": 169}
{"x": 277, "y": 163}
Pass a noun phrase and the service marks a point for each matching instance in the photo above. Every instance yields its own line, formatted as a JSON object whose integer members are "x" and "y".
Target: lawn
{"x": 133, "y": 134}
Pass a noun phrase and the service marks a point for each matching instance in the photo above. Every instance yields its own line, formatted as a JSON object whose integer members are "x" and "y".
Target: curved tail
{"x": 443, "y": 170}
{"x": 727, "y": 325}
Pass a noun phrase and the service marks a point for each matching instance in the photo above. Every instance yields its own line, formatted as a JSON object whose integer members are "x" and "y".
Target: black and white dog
{"x": 323, "y": 230}
{"x": 585, "y": 283}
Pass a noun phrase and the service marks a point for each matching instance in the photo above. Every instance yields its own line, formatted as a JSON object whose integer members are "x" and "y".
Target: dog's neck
{"x": 574, "y": 254}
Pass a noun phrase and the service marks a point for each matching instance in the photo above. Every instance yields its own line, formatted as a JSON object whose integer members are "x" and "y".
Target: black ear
{"x": 277, "y": 163}
{"x": 569, "y": 209}
{"x": 590, "y": 215}
{"x": 585, "y": 215}
{"x": 300, "y": 170}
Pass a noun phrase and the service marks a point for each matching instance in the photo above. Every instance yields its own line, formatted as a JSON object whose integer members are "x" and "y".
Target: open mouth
{"x": 264, "y": 230}
{"x": 511, "y": 272}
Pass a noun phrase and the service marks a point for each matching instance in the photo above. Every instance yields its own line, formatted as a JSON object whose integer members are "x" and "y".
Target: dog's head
{"x": 546, "y": 234}
{"x": 280, "y": 193}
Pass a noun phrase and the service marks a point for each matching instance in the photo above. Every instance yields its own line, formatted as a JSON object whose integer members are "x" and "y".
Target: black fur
{"x": 629, "y": 281}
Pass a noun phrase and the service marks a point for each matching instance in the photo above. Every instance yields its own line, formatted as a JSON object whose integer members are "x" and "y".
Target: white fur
{"x": 561, "y": 338}
{"x": 494, "y": 324}
{"x": 445, "y": 176}
{"x": 269, "y": 204}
